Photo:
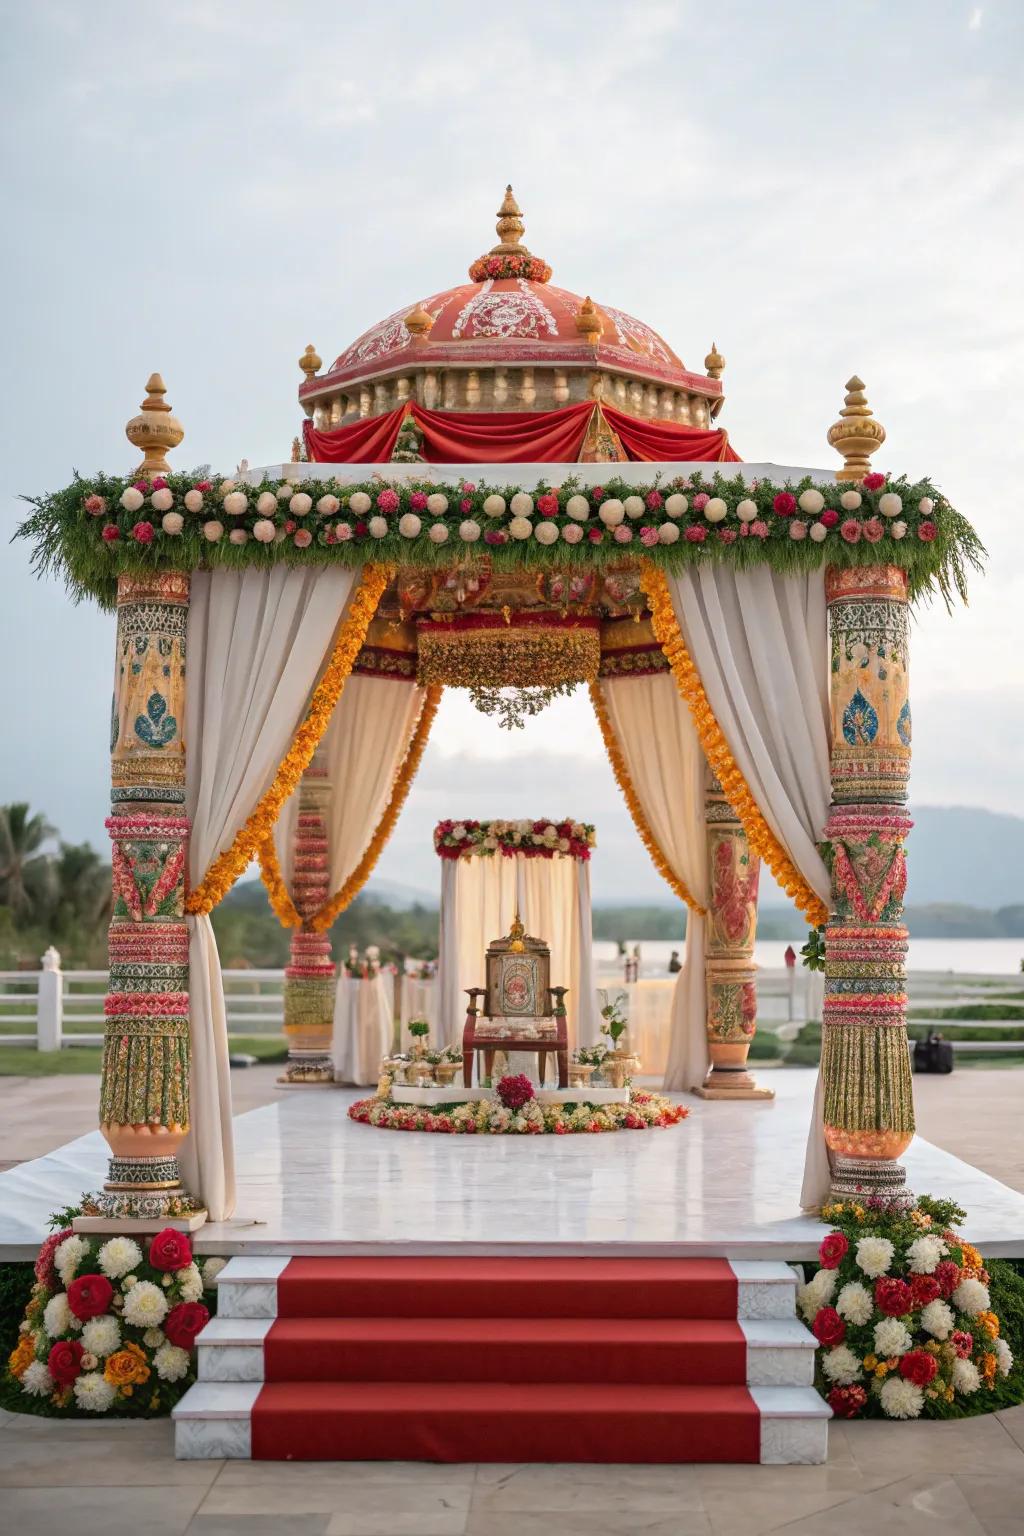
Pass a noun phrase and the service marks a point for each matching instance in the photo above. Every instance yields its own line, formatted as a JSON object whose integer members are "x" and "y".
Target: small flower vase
{"x": 444, "y": 1072}
{"x": 580, "y": 1073}
{"x": 615, "y": 1067}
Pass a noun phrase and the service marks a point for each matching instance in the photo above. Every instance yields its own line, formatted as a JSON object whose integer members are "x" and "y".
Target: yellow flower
{"x": 22, "y": 1355}
{"x": 125, "y": 1367}
{"x": 870, "y": 1361}
{"x": 881, "y": 1370}
{"x": 990, "y": 1323}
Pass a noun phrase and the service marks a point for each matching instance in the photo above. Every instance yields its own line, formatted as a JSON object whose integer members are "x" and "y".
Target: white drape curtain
{"x": 363, "y": 1027}
{"x": 256, "y": 643}
{"x": 758, "y": 639}
{"x": 479, "y": 898}
{"x": 665, "y": 762}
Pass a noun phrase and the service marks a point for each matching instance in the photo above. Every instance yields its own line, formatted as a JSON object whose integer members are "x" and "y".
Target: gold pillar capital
{"x": 155, "y": 430}
{"x": 856, "y": 434}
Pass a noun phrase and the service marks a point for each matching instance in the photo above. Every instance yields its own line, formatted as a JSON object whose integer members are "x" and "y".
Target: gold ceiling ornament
{"x": 418, "y": 322}
{"x": 714, "y": 363}
{"x": 310, "y": 362}
{"x": 589, "y": 322}
{"x": 509, "y": 228}
{"x": 155, "y": 430}
{"x": 512, "y": 655}
{"x": 856, "y": 434}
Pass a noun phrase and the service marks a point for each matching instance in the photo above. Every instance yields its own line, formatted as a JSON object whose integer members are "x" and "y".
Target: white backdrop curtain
{"x": 257, "y": 640}
{"x": 479, "y": 898}
{"x": 759, "y": 641}
{"x": 665, "y": 762}
{"x": 363, "y": 1027}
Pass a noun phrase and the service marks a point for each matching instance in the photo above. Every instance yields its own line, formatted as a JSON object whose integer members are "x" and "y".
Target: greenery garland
{"x": 91, "y": 531}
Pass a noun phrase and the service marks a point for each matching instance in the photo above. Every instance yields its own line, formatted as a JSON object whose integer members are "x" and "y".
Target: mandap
{"x": 509, "y": 489}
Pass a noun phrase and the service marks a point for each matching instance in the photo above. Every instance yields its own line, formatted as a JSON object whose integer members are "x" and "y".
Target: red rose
{"x": 548, "y": 505}
{"x": 963, "y": 1343}
{"x": 361, "y": 527}
{"x": 919, "y": 1367}
{"x": 598, "y": 493}
{"x": 850, "y": 530}
{"x": 111, "y": 532}
{"x": 90, "y": 1296}
{"x": 873, "y": 482}
{"x": 184, "y": 1321}
{"x": 595, "y": 535}
{"x": 170, "y": 1250}
{"x": 923, "y": 1289}
{"x": 784, "y": 504}
{"x": 203, "y": 485}
{"x": 847, "y": 1402}
{"x": 159, "y": 483}
{"x": 832, "y": 1250}
{"x": 828, "y": 1327}
{"x": 893, "y": 1296}
{"x": 142, "y": 533}
{"x": 829, "y": 517}
{"x": 65, "y": 1361}
{"x": 947, "y": 1277}
{"x": 926, "y": 531}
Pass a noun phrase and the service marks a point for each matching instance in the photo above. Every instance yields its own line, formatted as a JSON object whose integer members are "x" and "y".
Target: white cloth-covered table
{"x": 363, "y": 1028}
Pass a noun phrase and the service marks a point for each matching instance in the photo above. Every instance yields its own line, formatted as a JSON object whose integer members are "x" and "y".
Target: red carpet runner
{"x": 435, "y": 1359}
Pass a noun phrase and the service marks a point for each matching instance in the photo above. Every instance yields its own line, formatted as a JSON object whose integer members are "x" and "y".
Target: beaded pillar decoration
{"x": 865, "y": 1064}
{"x": 733, "y": 871}
{"x": 309, "y": 978}
{"x": 144, "y": 1093}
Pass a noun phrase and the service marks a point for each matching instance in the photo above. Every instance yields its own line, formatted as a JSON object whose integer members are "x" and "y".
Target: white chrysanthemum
{"x": 901, "y": 1399}
{"x": 119, "y": 1257}
{"x": 36, "y": 1379}
{"x": 891, "y": 1338}
{"x": 145, "y": 1306}
{"x": 69, "y": 1255}
{"x": 211, "y": 1269}
{"x": 966, "y": 1377}
{"x": 841, "y": 1365}
{"x": 101, "y": 1336}
{"x": 171, "y": 1362}
{"x": 924, "y": 1254}
{"x": 1004, "y": 1355}
{"x": 153, "y": 1338}
{"x": 855, "y": 1304}
{"x": 972, "y": 1297}
{"x": 937, "y": 1319}
{"x": 93, "y": 1393}
{"x": 57, "y": 1315}
{"x": 874, "y": 1255}
{"x": 816, "y": 1293}
{"x": 190, "y": 1282}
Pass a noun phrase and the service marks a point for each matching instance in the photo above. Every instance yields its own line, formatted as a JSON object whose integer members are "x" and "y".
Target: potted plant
{"x": 617, "y": 1062}
{"x": 419, "y": 1029}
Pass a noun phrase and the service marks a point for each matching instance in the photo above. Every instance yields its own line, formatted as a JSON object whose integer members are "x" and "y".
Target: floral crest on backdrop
{"x": 534, "y": 839}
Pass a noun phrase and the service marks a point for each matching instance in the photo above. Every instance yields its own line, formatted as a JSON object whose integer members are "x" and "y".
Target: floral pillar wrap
{"x": 865, "y": 1064}
{"x": 309, "y": 977}
{"x": 733, "y": 871}
{"x": 144, "y": 1096}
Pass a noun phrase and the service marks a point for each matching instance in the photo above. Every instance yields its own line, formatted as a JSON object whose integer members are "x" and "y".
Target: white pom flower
{"x": 266, "y": 504}
{"x": 172, "y": 523}
{"x": 224, "y": 487}
{"x": 238, "y": 536}
{"x": 36, "y": 1379}
{"x": 69, "y": 1255}
{"x": 890, "y": 505}
{"x": 546, "y": 533}
{"x": 521, "y": 504}
{"x": 153, "y": 1338}
{"x": 93, "y": 1392}
{"x": 236, "y": 503}
{"x": 818, "y": 532}
{"x": 818, "y": 1292}
{"x": 850, "y": 500}
{"x": 190, "y": 1282}
{"x": 716, "y": 510}
{"x": 437, "y": 504}
{"x": 841, "y": 1365}
{"x": 56, "y": 1316}
{"x": 300, "y": 504}
{"x": 101, "y": 1336}
{"x": 676, "y": 505}
{"x": 378, "y": 527}
{"x": 924, "y": 1254}
{"x": 469, "y": 531}
{"x": 746, "y": 511}
{"x": 578, "y": 507}
{"x": 937, "y": 1319}
{"x": 145, "y": 1305}
{"x": 437, "y": 533}
{"x": 211, "y": 1269}
{"x": 409, "y": 525}
{"x": 520, "y": 527}
{"x": 966, "y": 1377}
{"x": 926, "y": 506}
{"x": 634, "y": 506}
{"x": 572, "y": 533}
{"x": 971, "y": 1296}
{"x": 901, "y": 1399}
{"x": 171, "y": 1362}
{"x": 131, "y": 499}
{"x": 359, "y": 503}
{"x": 263, "y": 531}
{"x": 328, "y": 505}
{"x": 284, "y": 491}
{"x": 898, "y": 529}
{"x": 162, "y": 500}
{"x": 611, "y": 512}
{"x": 118, "y": 1257}
{"x": 213, "y": 530}
{"x": 193, "y": 501}
{"x": 874, "y": 1255}
{"x": 891, "y": 1337}
{"x": 811, "y": 501}
{"x": 668, "y": 533}
{"x": 1004, "y": 1356}
{"x": 855, "y": 1303}
{"x": 494, "y": 505}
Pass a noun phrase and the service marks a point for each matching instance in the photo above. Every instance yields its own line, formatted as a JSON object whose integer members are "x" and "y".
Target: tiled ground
{"x": 965, "y": 1478}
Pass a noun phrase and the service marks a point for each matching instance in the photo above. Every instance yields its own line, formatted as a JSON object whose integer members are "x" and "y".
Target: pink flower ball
{"x": 159, "y": 484}
{"x": 598, "y": 493}
{"x": 728, "y": 535}
{"x": 873, "y": 482}
{"x": 654, "y": 499}
{"x": 873, "y": 530}
{"x": 573, "y": 533}
{"x": 696, "y": 533}
{"x": 548, "y": 504}
{"x": 290, "y": 527}
{"x": 927, "y": 531}
{"x": 595, "y": 535}
{"x": 700, "y": 501}
{"x": 418, "y": 501}
{"x": 648, "y": 536}
{"x": 622, "y": 534}
{"x": 468, "y": 487}
{"x": 342, "y": 532}
{"x": 111, "y": 532}
{"x": 797, "y": 529}
{"x": 784, "y": 504}
{"x": 829, "y": 518}
{"x": 759, "y": 528}
{"x": 94, "y": 505}
{"x": 141, "y": 485}
{"x": 850, "y": 530}
{"x": 302, "y": 538}
{"x": 142, "y": 533}
{"x": 387, "y": 501}
{"x": 466, "y": 504}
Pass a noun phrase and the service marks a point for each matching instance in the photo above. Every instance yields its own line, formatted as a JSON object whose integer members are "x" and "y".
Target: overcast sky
{"x": 203, "y": 188}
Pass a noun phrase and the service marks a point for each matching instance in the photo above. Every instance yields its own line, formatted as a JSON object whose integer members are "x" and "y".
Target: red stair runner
{"x": 494, "y": 1359}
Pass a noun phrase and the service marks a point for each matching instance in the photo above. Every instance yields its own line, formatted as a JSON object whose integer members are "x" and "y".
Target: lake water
{"x": 980, "y": 957}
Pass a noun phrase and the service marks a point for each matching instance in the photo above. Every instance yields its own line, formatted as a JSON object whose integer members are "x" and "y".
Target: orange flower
{"x": 22, "y": 1355}
{"x": 990, "y": 1323}
{"x": 989, "y": 1364}
{"x": 126, "y": 1367}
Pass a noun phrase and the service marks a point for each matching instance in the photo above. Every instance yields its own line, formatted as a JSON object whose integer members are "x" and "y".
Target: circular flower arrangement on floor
{"x": 527, "y": 1118}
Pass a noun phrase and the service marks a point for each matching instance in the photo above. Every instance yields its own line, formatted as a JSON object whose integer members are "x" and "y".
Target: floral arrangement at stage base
{"x": 527, "y": 1116}
{"x": 904, "y": 1314}
{"x": 111, "y": 1325}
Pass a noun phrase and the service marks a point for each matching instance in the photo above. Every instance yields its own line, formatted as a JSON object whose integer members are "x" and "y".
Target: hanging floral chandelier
{"x": 513, "y": 663}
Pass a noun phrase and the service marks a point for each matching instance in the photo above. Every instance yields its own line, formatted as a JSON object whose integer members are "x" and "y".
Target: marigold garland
{"x": 228, "y": 866}
{"x": 636, "y": 810}
{"x": 716, "y": 749}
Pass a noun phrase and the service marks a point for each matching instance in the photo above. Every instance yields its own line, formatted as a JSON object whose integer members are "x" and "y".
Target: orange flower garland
{"x": 229, "y": 865}
{"x": 716, "y": 749}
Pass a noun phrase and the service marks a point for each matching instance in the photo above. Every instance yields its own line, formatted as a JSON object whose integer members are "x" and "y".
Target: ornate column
{"x": 733, "y": 872}
{"x": 309, "y": 978}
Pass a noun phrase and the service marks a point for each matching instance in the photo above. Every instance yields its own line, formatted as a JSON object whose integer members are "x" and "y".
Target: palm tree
{"x": 83, "y": 891}
{"x": 26, "y": 880}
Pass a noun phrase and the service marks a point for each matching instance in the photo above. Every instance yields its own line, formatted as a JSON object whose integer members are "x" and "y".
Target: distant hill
{"x": 960, "y": 854}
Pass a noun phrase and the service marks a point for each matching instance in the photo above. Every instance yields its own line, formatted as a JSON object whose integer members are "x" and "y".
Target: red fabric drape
{"x": 666, "y": 440}
{"x": 362, "y": 442}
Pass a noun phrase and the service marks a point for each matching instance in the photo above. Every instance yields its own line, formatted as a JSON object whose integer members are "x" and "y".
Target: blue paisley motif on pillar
{"x": 860, "y": 722}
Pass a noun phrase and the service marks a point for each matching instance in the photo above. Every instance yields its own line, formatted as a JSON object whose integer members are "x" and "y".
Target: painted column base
{"x": 860, "y": 1178}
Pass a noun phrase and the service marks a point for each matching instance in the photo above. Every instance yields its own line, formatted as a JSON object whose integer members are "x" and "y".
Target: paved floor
{"x": 100, "y": 1479}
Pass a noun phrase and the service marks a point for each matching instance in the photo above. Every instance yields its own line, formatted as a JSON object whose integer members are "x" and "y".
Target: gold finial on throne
{"x": 516, "y": 936}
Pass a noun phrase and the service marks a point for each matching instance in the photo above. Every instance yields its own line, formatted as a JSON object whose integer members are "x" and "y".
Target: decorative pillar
{"x": 309, "y": 978}
{"x": 733, "y": 872}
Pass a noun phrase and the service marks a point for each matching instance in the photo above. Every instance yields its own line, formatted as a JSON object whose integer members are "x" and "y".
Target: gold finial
{"x": 310, "y": 363}
{"x": 155, "y": 430}
{"x": 589, "y": 322}
{"x": 418, "y": 322}
{"x": 714, "y": 363}
{"x": 510, "y": 228}
{"x": 517, "y": 932}
{"x": 856, "y": 434}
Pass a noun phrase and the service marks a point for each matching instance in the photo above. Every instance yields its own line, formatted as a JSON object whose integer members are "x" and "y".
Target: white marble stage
{"x": 724, "y": 1182}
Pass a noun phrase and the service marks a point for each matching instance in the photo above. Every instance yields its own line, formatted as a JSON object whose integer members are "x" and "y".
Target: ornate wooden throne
{"x": 522, "y": 1011}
